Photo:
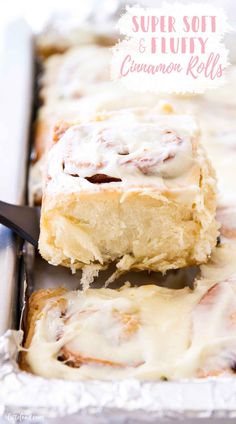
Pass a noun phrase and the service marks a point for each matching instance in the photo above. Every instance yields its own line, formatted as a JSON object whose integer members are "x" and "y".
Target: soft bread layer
{"x": 147, "y": 332}
{"x": 158, "y": 210}
{"x": 141, "y": 232}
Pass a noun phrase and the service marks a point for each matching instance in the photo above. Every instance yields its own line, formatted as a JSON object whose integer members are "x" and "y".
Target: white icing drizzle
{"x": 147, "y": 332}
{"x": 141, "y": 147}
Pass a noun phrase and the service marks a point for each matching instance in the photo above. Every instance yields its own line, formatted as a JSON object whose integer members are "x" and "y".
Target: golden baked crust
{"x": 34, "y": 308}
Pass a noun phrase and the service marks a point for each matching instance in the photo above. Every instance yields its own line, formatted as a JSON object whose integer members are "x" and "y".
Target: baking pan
{"x": 15, "y": 114}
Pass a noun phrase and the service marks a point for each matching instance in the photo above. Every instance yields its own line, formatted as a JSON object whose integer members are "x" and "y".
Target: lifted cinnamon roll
{"x": 132, "y": 186}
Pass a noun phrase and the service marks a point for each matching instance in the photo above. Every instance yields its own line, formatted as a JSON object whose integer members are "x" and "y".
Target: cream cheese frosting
{"x": 80, "y": 71}
{"x": 147, "y": 332}
{"x": 129, "y": 148}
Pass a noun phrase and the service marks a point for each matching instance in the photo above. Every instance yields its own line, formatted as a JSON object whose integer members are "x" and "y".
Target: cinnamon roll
{"x": 53, "y": 39}
{"x": 226, "y": 215}
{"x": 132, "y": 186}
{"x": 217, "y": 306}
{"x": 78, "y": 72}
{"x": 145, "y": 332}
{"x": 82, "y": 109}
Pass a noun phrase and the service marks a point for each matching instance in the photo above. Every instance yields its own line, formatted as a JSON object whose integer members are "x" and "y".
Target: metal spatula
{"x": 23, "y": 220}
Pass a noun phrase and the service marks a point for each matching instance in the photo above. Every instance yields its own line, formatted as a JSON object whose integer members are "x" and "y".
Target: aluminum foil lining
{"x": 31, "y": 396}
